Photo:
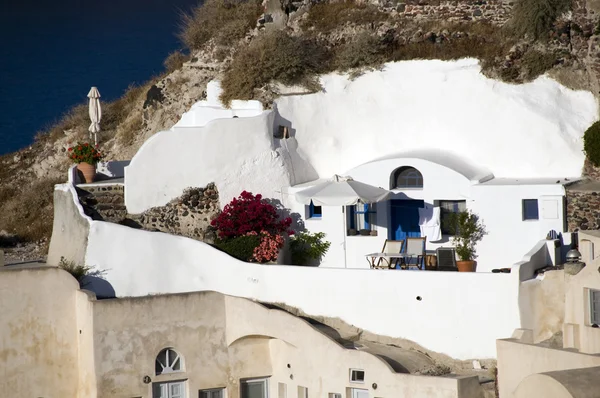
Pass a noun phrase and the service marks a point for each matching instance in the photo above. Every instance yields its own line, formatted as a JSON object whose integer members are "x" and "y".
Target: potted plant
{"x": 469, "y": 230}
{"x": 86, "y": 156}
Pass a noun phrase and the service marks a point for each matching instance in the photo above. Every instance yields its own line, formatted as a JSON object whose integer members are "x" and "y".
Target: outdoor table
{"x": 373, "y": 257}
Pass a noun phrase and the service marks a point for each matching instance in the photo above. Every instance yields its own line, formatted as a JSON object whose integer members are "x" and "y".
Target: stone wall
{"x": 583, "y": 210}
{"x": 591, "y": 171}
{"x": 496, "y": 11}
{"x": 189, "y": 215}
{"x": 103, "y": 203}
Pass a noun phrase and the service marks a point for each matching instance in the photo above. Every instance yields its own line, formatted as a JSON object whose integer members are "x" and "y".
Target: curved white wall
{"x": 529, "y": 130}
{"x": 236, "y": 154}
{"x": 460, "y": 314}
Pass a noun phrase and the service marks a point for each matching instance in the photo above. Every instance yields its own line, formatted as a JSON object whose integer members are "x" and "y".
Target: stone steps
{"x": 104, "y": 202}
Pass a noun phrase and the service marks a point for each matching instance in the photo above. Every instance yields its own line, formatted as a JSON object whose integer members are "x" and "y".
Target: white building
{"x": 435, "y": 133}
{"x": 516, "y": 212}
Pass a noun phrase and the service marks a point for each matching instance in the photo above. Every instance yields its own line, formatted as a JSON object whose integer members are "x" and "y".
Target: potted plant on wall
{"x": 86, "y": 156}
{"x": 469, "y": 230}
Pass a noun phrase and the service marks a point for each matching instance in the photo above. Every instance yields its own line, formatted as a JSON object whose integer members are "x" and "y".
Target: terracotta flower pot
{"x": 88, "y": 171}
{"x": 466, "y": 266}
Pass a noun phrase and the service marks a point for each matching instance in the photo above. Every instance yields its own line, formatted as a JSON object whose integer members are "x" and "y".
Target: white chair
{"x": 416, "y": 247}
{"x": 391, "y": 247}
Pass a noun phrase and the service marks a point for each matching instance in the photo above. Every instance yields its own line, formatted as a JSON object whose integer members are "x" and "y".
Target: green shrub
{"x": 325, "y": 17}
{"x": 535, "y": 18}
{"x": 274, "y": 56}
{"x": 469, "y": 231}
{"x": 224, "y": 20}
{"x": 241, "y": 247}
{"x": 174, "y": 61}
{"x": 591, "y": 143}
{"x": 536, "y": 63}
{"x": 364, "y": 50}
{"x": 437, "y": 369}
{"x": 307, "y": 247}
{"x": 78, "y": 271}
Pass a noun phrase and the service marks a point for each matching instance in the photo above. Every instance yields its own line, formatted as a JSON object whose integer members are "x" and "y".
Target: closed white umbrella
{"x": 95, "y": 113}
{"x": 342, "y": 191}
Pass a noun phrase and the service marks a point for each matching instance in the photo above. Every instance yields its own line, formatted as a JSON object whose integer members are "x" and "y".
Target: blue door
{"x": 404, "y": 221}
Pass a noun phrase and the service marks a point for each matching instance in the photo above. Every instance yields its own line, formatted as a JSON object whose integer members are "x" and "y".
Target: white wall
{"x": 509, "y": 237}
{"x": 455, "y": 315}
{"x": 529, "y": 130}
{"x": 203, "y": 112}
{"x": 497, "y": 201}
{"x": 236, "y": 154}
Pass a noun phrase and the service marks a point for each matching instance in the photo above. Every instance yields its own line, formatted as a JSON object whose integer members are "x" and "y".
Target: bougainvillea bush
{"x": 250, "y": 213}
{"x": 250, "y": 229}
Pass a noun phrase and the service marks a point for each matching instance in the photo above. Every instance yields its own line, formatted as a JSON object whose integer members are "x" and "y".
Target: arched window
{"x": 406, "y": 177}
{"x": 168, "y": 361}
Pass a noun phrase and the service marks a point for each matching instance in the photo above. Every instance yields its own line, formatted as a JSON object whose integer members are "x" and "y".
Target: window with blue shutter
{"x": 314, "y": 211}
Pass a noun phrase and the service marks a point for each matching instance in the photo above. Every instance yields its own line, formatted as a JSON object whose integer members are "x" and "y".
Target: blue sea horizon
{"x": 53, "y": 52}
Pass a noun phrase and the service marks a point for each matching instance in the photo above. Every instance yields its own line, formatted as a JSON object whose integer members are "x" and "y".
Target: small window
{"x": 362, "y": 218}
{"x": 282, "y": 390}
{"x": 255, "y": 388}
{"x": 406, "y": 177}
{"x": 447, "y": 208}
{"x": 168, "y": 361}
{"x": 530, "y": 209}
{"x": 595, "y": 307}
{"x": 212, "y": 393}
{"x": 314, "y": 211}
{"x": 335, "y": 395}
{"x": 302, "y": 392}
{"x": 357, "y": 376}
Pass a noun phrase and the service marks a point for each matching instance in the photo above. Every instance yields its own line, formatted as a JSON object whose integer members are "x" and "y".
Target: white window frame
{"x": 222, "y": 390}
{"x": 302, "y": 392}
{"x": 594, "y": 306}
{"x": 167, "y": 385}
{"x": 356, "y": 392}
{"x": 168, "y": 367}
{"x": 281, "y": 388}
{"x": 264, "y": 380}
{"x": 357, "y": 381}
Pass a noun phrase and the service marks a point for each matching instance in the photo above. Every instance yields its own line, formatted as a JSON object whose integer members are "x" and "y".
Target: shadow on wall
{"x": 284, "y": 137}
{"x": 297, "y": 221}
{"x": 112, "y": 169}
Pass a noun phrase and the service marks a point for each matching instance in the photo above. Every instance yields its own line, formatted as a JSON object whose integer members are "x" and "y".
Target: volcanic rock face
{"x": 189, "y": 215}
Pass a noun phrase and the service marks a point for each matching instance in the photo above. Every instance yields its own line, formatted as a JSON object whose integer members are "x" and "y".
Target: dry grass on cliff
{"x": 77, "y": 120}
{"x": 535, "y": 63}
{"x": 225, "y": 21}
{"x": 364, "y": 50}
{"x": 274, "y": 56}
{"x": 325, "y": 17}
{"x": 27, "y": 211}
{"x": 535, "y": 18}
{"x": 174, "y": 61}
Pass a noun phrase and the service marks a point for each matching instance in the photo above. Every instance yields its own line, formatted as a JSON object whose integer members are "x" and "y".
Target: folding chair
{"x": 416, "y": 246}
{"x": 390, "y": 247}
